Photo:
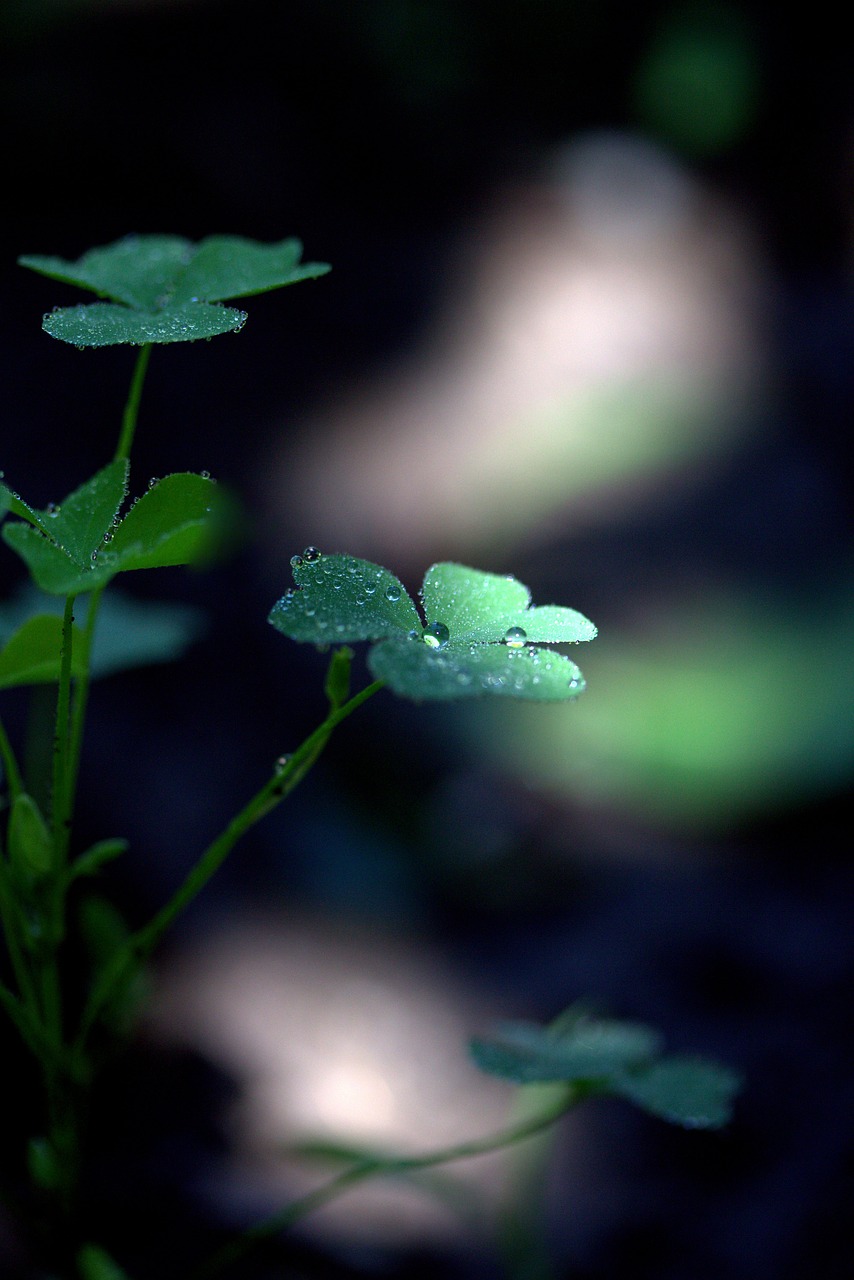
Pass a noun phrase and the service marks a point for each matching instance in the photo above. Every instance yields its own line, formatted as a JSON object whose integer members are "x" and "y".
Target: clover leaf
{"x": 167, "y": 289}
{"x": 82, "y": 542}
{"x": 480, "y": 635}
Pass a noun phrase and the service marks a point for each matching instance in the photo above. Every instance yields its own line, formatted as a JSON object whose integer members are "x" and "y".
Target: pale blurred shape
{"x": 714, "y": 711}
{"x": 342, "y": 1035}
{"x": 600, "y": 341}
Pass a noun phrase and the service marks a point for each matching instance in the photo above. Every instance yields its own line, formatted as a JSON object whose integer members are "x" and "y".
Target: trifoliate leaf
{"x": 80, "y": 544}
{"x": 474, "y": 641}
{"x": 166, "y": 288}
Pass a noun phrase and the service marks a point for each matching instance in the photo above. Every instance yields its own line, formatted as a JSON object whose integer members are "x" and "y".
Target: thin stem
{"x": 62, "y": 802}
{"x": 131, "y": 413}
{"x": 81, "y": 697}
{"x": 373, "y": 1167}
{"x": 283, "y": 781}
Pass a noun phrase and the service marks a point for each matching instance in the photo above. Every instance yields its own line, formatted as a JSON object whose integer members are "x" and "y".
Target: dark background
{"x": 377, "y": 133}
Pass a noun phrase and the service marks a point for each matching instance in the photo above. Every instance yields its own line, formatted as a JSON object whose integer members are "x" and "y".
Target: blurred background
{"x": 589, "y": 322}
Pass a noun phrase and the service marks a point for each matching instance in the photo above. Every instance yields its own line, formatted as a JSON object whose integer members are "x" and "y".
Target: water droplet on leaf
{"x": 436, "y": 635}
{"x": 310, "y": 555}
{"x": 392, "y": 593}
{"x": 515, "y": 637}
{"x": 296, "y": 561}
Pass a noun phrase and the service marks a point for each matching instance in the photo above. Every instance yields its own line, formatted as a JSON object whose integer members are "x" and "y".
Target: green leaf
{"x": 90, "y": 862}
{"x": 181, "y": 519}
{"x": 232, "y": 267}
{"x": 78, "y": 524}
{"x": 175, "y": 522}
{"x": 164, "y": 287}
{"x": 692, "y": 1092}
{"x": 32, "y": 655}
{"x": 30, "y": 844}
{"x": 341, "y": 600}
{"x": 106, "y": 324}
{"x": 585, "y": 1051}
{"x": 479, "y": 607}
{"x": 414, "y": 670}
{"x": 475, "y": 641}
{"x": 137, "y": 270}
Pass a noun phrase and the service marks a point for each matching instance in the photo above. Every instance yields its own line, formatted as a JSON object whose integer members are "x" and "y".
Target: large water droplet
{"x": 515, "y": 637}
{"x": 310, "y": 555}
{"x": 392, "y": 592}
{"x": 206, "y": 475}
{"x": 296, "y": 561}
{"x": 436, "y": 635}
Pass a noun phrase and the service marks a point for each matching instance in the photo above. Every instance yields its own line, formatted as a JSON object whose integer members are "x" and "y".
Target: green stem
{"x": 373, "y": 1167}
{"x": 131, "y": 413}
{"x": 61, "y": 805}
{"x": 81, "y": 697}
{"x": 281, "y": 784}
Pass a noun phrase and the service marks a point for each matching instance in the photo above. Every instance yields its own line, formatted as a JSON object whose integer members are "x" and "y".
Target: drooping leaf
{"x": 33, "y": 654}
{"x": 30, "y": 844}
{"x": 167, "y": 289}
{"x": 692, "y": 1092}
{"x": 588, "y": 1050}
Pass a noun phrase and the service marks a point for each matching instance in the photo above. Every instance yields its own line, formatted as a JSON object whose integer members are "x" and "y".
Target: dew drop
{"x": 52, "y": 510}
{"x": 152, "y": 482}
{"x": 296, "y": 561}
{"x": 206, "y": 475}
{"x": 575, "y": 683}
{"x": 515, "y": 637}
{"x": 436, "y": 635}
{"x": 392, "y": 593}
{"x": 310, "y": 555}
{"x": 94, "y": 556}
{"x": 282, "y": 763}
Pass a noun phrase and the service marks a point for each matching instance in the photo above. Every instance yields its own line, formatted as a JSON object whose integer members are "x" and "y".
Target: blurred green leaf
{"x": 165, "y": 288}
{"x": 32, "y": 655}
{"x": 587, "y": 1051}
{"x": 30, "y": 844}
{"x": 623, "y": 1059}
{"x": 90, "y": 862}
{"x": 692, "y": 1092}
{"x": 475, "y": 641}
{"x": 94, "y": 1263}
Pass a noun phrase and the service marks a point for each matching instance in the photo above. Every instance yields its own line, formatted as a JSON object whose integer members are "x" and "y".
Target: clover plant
{"x": 478, "y": 635}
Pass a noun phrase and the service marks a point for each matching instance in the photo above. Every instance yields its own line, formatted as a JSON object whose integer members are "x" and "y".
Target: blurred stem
{"x": 131, "y": 413}
{"x": 281, "y": 784}
{"x": 522, "y": 1234}
{"x": 379, "y": 1166}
